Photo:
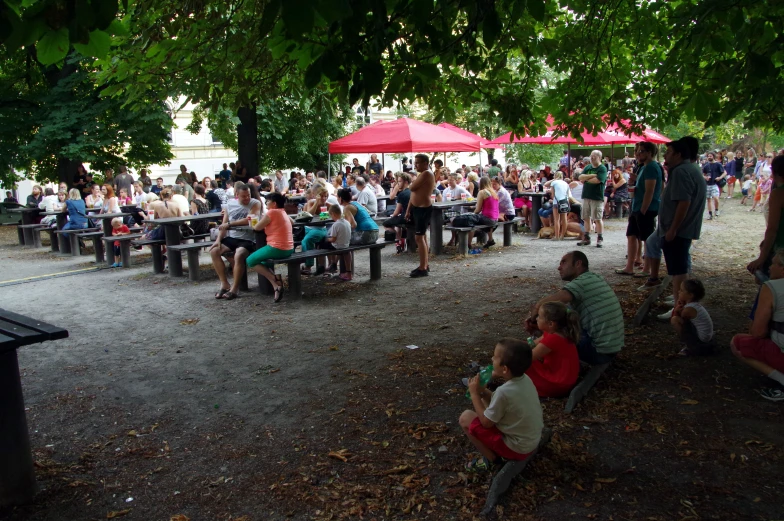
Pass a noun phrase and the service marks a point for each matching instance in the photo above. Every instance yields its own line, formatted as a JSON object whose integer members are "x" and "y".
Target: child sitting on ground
{"x": 118, "y": 228}
{"x": 339, "y": 237}
{"x": 692, "y": 321}
{"x": 745, "y": 188}
{"x": 556, "y": 365}
{"x": 507, "y": 423}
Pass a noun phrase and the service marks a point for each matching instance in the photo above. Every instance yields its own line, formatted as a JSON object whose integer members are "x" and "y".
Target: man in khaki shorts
{"x": 593, "y": 177}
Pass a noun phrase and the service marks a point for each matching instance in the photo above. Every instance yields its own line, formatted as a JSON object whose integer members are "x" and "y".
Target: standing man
{"x": 645, "y": 204}
{"x": 406, "y": 167}
{"x": 158, "y": 188}
{"x": 356, "y": 168}
{"x": 183, "y": 175}
{"x": 494, "y": 169}
{"x": 108, "y": 177}
{"x": 594, "y": 177}
{"x": 224, "y": 176}
{"x": 680, "y": 215}
{"x": 374, "y": 166}
{"x": 713, "y": 172}
{"x": 420, "y": 209}
{"x": 145, "y": 180}
{"x": 564, "y": 161}
{"x": 626, "y": 162}
{"x": 123, "y": 180}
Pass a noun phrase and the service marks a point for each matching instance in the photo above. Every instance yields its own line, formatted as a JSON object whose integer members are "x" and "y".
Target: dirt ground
{"x": 165, "y": 402}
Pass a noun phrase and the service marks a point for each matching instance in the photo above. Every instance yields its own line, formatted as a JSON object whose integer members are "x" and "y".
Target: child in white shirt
{"x": 692, "y": 321}
{"x": 745, "y": 189}
{"x": 338, "y": 238}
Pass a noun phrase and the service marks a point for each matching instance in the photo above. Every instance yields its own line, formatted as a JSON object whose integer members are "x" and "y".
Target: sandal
{"x": 230, "y": 296}
{"x": 278, "y": 293}
{"x": 639, "y": 265}
{"x": 642, "y": 275}
{"x": 621, "y": 271}
{"x": 221, "y": 293}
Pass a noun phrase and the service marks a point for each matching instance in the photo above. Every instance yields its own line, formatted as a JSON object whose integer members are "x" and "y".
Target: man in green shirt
{"x": 601, "y": 318}
{"x": 594, "y": 177}
{"x": 494, "y": 169}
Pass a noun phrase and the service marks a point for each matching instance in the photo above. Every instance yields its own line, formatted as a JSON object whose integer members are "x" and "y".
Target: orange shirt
{"x": 279, "y": 232}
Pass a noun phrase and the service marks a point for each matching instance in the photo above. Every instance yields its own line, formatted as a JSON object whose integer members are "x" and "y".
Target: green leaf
{"x": 313, "y": 74}
{"x": 98, "y": 45}
{"x": 428, "y": 71}
{"x": 269, "y": 17}
{"x": 537, "y": 9}
{"x": 491, "y": 27}
{"x": 333, "y": 10}
{"x": 117, "y": 28}
{"x": 298, "y": 16}
{"x": 104, "y": 12}
{"x": 53, "y": 46}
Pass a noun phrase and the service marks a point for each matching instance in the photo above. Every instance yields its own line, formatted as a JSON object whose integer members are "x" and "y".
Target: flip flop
{"x": 230, "y": 296}
{"x": 278, "y": 293}
{"x": 642, "y": 275}
{"x": 223, "y": 291}
{"x": 619, "y": 271}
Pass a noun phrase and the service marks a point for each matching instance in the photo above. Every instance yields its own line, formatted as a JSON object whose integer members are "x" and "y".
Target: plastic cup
{"x": 151, "y": 214}
{"x": 463, "y": 197}
{"x": 323, "y": 209}
{"x": 254, "y": 221}
{"x": 433, "y": 197}
{"x": 448, "y": 197}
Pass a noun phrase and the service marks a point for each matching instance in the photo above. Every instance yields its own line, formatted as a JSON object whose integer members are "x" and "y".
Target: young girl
{"x": 692, "y": 321}
{"x": 556, "y": 365}
{"x": 764, "y": 188}
{"x": 118, "y": 228}
{"x": 745, "y": 189}
{"x": 124, "y": 199}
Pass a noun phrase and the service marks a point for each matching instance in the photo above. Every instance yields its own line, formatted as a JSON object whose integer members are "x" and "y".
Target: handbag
{"x": 186, "y": 231}
{"x": 564, "y": 206}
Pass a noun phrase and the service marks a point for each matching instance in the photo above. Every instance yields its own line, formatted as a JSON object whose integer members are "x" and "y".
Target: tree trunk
{"x": 66, "y": 171}
{"x": 248, "y": 139}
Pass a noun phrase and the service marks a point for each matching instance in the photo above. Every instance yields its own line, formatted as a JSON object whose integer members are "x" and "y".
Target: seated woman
{"x": 364, "y": 228}
{"x": 161, "y": 209}
{"x": 315, "y": 234}
{"x": 95, "y": 198}
{"x": 49, "y": 204}
{"x": 763, "y": 347}
{"x": 617, "y": 191}
{"x": 546, "y": 211}
{"x": 473, "y": 183}
{"x": 487, "y": 210}
{"x": 511, "y": 178}
{"x": 523, "y": 203}
{"x": 280, "y": 241}
{"x": 110, "y": 202}
{"x": 376, "y": 186}
{"x": 77, "y": 215}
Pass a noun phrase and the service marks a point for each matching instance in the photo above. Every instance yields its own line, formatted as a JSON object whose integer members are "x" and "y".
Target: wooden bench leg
{"x": 98, "y": 247}
{"x": 265, "y": 288}
{"x": 28, "y": 237}
{"x": 581, "y": 389}
{"x": 36, "y": 238}
{"x": 76, "y": 249}
{"x": 193, "y": 264}
{"x": 125, "y": 253}
{"x": 157, "y": 258}
{"x": 20, "y": 234}
{"x": 462, "y": 242}
{"x": 507, "y": 234}
{"x": 511, "y": 469}
{"x": 110, "y": 254}
{"x": 54, "y": 240}
{"x": 244, "y": 280}
{"x": 411, "y": 244}
{"x": 295, "y": 281}
{"x": 375, "y": 263}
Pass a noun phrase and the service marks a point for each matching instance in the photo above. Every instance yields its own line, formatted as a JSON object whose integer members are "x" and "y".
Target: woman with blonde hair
{"x": 730, "y": 169}
{"x": 487, "y": 209}
{"x": 473, "y": 183}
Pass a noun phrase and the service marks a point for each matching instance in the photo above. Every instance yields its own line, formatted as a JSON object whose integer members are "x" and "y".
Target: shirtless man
{"x": 420, "y": 207}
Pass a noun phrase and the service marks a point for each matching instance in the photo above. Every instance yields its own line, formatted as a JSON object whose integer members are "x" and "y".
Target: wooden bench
{"x": 30, "y": 234}
{"x": 293, "y": 263}
{"x": 156, "y": 246}
{"x": 580, "y": 390}
{"x": 463, "y": 232}
{"x": 125, "y": 248}
{"x": 53, "y": 239}
{"x": 511, "y": 469}
{"x": 73, "y": 240}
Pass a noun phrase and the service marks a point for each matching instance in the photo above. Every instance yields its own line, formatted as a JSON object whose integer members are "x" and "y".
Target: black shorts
{"x": 641, "y": 226}
{"x": 676, "y": 255}
{"x": 421, "y": 218}
{"x": 695, "y": 346}
{"x": 398, "y": 220}
{"x": 234, "y": 244}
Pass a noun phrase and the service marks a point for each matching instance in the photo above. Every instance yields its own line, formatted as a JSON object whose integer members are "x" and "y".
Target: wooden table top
{"x": 182, "y": 220}
{"x": 18, "y": 330}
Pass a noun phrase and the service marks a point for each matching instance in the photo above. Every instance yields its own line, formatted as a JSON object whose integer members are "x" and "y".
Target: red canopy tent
{"x": 404, "y": 135}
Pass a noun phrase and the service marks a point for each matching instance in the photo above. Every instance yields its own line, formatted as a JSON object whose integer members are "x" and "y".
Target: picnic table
{"x": 28, "y": 217}
{"x": 17, "y": 477}
{"x": 173, "y": 237}
{"x": 536, "y": 198}
{"x": 437, "y": 223}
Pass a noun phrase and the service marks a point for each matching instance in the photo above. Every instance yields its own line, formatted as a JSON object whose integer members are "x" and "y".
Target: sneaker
{"x": 586, "y": 241}
{"x": 665, "y": 316}
{"x": 419, "y": 273}
{"x": 710, "y": 216}
{"x": 670, "y": 300}
{"x": 599, "y": 241}
{"x": 114, "y": 265}
{"x": 333, "y": 268}
{"x": 718, "y": 213}
{"x": 489, "y": 244}
{"x": 774, "y": 395}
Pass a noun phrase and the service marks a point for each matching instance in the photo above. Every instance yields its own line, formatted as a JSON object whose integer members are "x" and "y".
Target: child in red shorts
{"x": 556, "y": 365}
{"x": 507, "y": 423}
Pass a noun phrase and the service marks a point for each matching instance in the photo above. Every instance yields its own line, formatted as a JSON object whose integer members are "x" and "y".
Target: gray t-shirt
{"x": 238, "y": 211}
{"x": 517, "y": 413}
{"x": 280, "y": 185}
{"x": 685, "y": 184}
{"x": 341, "y": 230}
{"x": 367, "y": 198}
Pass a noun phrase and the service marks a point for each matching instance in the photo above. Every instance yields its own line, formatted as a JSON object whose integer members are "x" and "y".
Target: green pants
{"x": 265, "y": 254}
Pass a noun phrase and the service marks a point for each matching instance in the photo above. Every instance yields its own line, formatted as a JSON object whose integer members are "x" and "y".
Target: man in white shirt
{"x": 180, "y": 200}
{"x": 322, "y": 175}
{"x": 454, "y": 191}
{"x": 281, "y": 185}
{"x": 366, "y": 196}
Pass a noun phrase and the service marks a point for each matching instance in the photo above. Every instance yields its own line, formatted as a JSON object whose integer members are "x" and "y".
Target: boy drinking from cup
{"x": 505, "y": 424}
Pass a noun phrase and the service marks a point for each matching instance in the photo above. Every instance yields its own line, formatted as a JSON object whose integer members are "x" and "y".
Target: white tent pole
{"x": 329, "y": 166}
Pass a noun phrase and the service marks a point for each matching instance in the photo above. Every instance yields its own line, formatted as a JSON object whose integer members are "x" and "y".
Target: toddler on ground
{"x": 118, "y": 228}
{"x": 556, "y": 365}
{"x": 505, "y": 424}
{"x": 692, "y": 321}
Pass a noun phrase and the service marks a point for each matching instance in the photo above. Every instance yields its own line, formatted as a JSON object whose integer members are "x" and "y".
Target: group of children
{"x": 507, "y": 424}
{"x": 760, "y": 195}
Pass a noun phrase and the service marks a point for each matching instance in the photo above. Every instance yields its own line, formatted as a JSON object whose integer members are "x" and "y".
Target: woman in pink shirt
{"x": 487, "y": 208}
{"x": 280, "y": 241}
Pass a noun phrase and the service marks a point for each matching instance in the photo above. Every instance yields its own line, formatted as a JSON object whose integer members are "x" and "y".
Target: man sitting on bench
{"x": 600, "y": 312}
{"x": 236, "y": 243}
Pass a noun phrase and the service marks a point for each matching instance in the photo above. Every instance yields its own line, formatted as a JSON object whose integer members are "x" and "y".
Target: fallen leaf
{"x": 273, "y": 370}
{"x": 118, "y": 513}
{"x": 342, "y": 454}
{"x": 605, "y": 480}
{"x": 189, "y": 321}
{"x": 132, "y": 433}
{"x": 396, "y": 470}
{"x": 179, "y": 517}
{"x": 689, "y": 402}
{"x": 333, "y": 348}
